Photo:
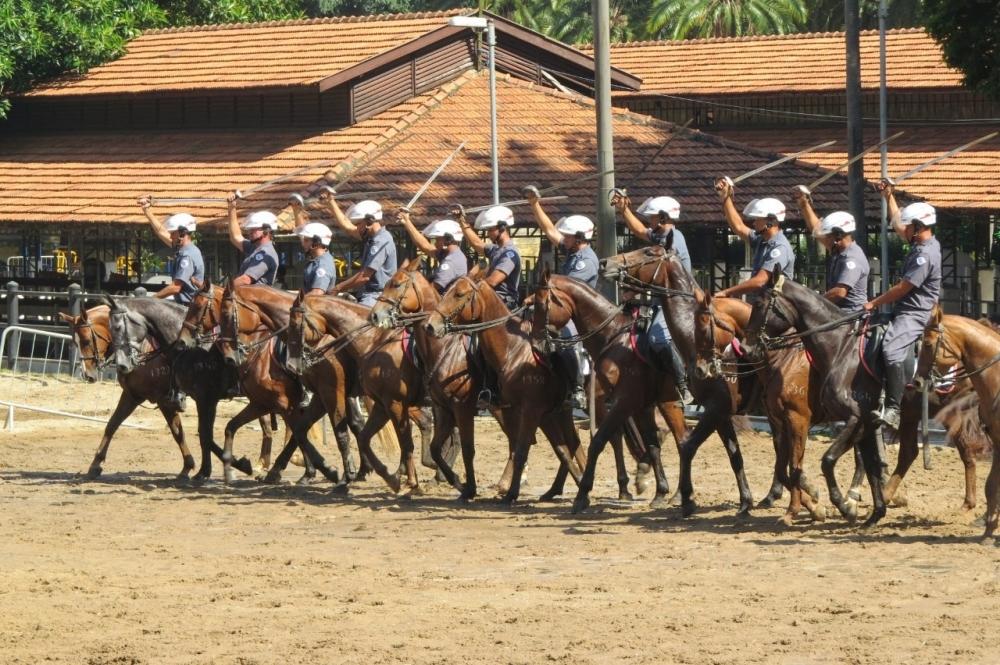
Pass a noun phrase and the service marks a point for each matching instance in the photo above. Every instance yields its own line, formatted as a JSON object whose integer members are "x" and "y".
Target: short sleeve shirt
{"x": 260, "y": 263}
{"x": 923, "y": 270}
{"x": 319, "y": 273}
{"x": 679, "y": 244}
{"x": 506, "y": 259}
{"x": 850, "y": 268}
{"x": 772, "y": 254}
{"x": 189, "y": 267}
{"x": 379, "y": 254}
{"x": 452, "y": 264}
{"x": 582, "y": 266}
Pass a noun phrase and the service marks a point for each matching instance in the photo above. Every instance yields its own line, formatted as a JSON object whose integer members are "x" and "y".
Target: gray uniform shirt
{"x": 188, "y": 266}
{"x": 923, "y": 270}
{"x": 772, "y": 254}
{"x": 379, "y": 254}
{"x": 679, "y": 244}
{"x": 452, "y": 264}
{"x": 319, "y": 273}
{"x": 506, "y": 259}
{"x": 260, "y": 263}
{"x": 850, "y": 268}
{"x": 582, "y": 266}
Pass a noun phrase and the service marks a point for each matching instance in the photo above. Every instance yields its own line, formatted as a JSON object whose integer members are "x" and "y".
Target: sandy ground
{"x": 133, "y": 568}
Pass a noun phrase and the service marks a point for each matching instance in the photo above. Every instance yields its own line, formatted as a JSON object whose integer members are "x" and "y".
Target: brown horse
{"x": 453, "y": 386}
{"x": 533, "y": 394}
{"x": 626, "y": 387}
{"x": 948, "y": 340}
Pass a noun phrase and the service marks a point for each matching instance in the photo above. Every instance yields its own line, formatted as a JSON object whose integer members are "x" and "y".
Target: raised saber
{"x": 575, "y": 181}
{"x": 349, "y": 196}
{"x": 819, "y": 181}
{"x": 778, "y": 162}
{"x": 154, "y": 200}
{"x": 437, "y": 172}
{"x": 518, "y": 202}
{"x": 917, "y": 169}
{"x": 623, "y": 191}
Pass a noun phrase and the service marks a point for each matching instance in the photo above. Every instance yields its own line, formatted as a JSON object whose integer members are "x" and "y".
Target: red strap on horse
{"x": 861, "y": 349}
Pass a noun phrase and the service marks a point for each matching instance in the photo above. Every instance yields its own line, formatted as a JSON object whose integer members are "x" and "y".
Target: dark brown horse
{"x": 950, "y": 340}
{"x": 533, "y": 394}
{"x": 627, "y": 388}
{"x": 658, "y": 270}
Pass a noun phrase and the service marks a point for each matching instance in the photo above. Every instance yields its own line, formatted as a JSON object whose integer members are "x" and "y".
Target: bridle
{"x": 789, "y": 340}
{"x": 244, "y": 349}
{"x": 937, "y": 378}
{"x": 199, "y": 327}
{"x": 134, "y": 354}
{"x": 309, "y": 356}
{"x": 554, "y": 341}
{"x": 99, "y": 362}
{"x": 469, "y": 300}
{"x": 398, "y": 318}
{"x": 625, "y": 278}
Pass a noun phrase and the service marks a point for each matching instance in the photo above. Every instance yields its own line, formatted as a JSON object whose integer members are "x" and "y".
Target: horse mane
{"x": 564, "y": 283}
{"x": 826, "y": 305}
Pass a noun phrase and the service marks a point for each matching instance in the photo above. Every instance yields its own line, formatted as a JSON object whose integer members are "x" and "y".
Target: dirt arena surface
{"x": 134, "y": 568}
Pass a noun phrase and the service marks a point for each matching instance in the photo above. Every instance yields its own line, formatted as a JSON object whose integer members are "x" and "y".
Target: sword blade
{"x": 946, "y": 155}
{"x": 437, "y": 172}
{"x": 191, "y": 200}
{"x": 280, "y": 179}
{"x": 777, "y": 162}
{"x": 819, "y": 181}
{"x": 518, "y": 202}
{"x": 576, "y": 181}
{"x": 680, "y": 130}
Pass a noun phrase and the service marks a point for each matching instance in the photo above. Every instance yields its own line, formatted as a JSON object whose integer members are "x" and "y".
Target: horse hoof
{"x": 743, "y": 513}
{"x": 819, "y": 515}
{"x": 873, "y": 519}
{"x": 393, "y": 483}
{"x": 466, "y": 496}
{"x": 581, "y": 504}
{"x": 625, "y": 495}
{"x": 688, "y": 508}
{"x": 659, "y": 503}
{"x": 643, "y": 480}
{"x": 340, "y": 489}
{"x": 94, "y": 472}
{"x": 787, "y": 520}
{"x": 229, "y": 477}
{"x": 244, "y": 465}
{"x": 306, "y": 479}
{"x": 416, "y": 490}
{"x": 272, "y": 478}
{"x": 183, "y": 478}
{"x": 766, "y": 502}
{"x": 550, "y": 496}
{"x": 850, "y": 510}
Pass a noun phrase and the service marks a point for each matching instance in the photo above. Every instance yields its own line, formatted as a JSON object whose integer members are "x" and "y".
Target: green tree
{"x": 828, "y": 15}
{"x": 969, "y": 34}
{"x": 685, "y": 19}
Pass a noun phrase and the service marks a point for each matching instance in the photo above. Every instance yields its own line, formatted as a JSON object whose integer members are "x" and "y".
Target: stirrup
{"x": 484, "y": 400}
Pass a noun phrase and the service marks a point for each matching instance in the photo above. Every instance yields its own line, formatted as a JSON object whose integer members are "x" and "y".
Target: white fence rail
{"x": 24, "y": 349}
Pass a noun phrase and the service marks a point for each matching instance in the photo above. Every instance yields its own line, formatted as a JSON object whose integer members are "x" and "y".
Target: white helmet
{"x": 365, "y": 209}
{"x": 181, "y": 220}
{"x": 262, "y": 219}
{"x": 442, "y": 228}
{"x": 316, "y": 231}
{"x": 765, "y": 209}
{"x": 918, "y": 212}
{"x": 576, "y": 226}
{"x": 836, "y": 220}
{"x": 667, "y": 205}
{"x": 495, "y": 216}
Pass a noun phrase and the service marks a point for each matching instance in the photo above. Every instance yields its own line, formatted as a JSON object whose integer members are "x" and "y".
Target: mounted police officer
{"x": 771, "y": 249}
{"x": 573, "y": 233}
{"x": 504, "y": 272}
{"x": 913, "y": 297}
{"x": 188, "y": 272}
{"x": 847, "y": 267}
{"x": 260, "y": 260}
{"x": 660, "y": 212}
{"x": 363, "y": 221}
{"x": 441, "y": 240}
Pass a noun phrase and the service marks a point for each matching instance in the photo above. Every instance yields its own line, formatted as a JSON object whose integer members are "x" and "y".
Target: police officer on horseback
{"x": 441, "y": 239}
{"x": 319, "y": 274}
{"x": 363, "y": 221}
{"x": 660, "y": 212}
{"x": 913, "y": 297}
{"x": 188, "y": 271}
{"x": 504, "y": 272}
{"x": 573, "y": 233}
{"x": 260, "y": 259}
{"x": 771, "y": 249}
{"x": 847, "y": 267}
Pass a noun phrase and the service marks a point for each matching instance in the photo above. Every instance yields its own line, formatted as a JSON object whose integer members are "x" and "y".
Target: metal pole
{"x": 883, "y": 130}
{"x": 75, "y": 306}
{"x": 855, "y": 136}
{"x": 491, "y": 43}
{"x": 607, "y": 243}
{"x": 12, "y": 320}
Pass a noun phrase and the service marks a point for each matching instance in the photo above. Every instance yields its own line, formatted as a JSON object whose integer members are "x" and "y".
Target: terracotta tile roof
{"x": 799, "y": 62}
{"x": 96, "y": 176}
{"x": 548, "y": 137}
{"x": 275, "y": 53}
{"x": 966, "y": 181}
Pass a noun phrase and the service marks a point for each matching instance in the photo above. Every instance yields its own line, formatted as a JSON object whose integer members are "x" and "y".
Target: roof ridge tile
{"x": 751, "y": 38}
{"x": 370, "y": 18}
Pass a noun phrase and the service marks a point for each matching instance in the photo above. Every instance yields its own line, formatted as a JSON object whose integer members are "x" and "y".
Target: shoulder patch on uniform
{"x": 320, "y": 272}
{"x": 444, "y": 266}
{"x": 580, "y": 265}
{"x": 851, "y": 265}
{"x": 775, "y": 253}
{"x": 259, "y": 256}
{"x": 921, "y": 260}
{"x": 184, "y": 263}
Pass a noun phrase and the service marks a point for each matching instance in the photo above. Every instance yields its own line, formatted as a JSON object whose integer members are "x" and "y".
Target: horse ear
{"x": 206, "y": 286}
{"x": 546, "y": 274}
{"x": 67, "y": 318}
{"x": 706, "y": 299}
{"x": 83, "y": 314}
{"x": 476, "y": 272}
{"x": 418, "y": 263}
{"x": 298, "y": 299}
{"x": 405, "y": 265}
{"x": 108, "y": 300}
{"x": 936, "y": 316}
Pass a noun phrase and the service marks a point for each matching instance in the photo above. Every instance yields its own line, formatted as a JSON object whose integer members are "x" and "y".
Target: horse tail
{"x": 742, "y": 423}
{"x": 960, "y": 418}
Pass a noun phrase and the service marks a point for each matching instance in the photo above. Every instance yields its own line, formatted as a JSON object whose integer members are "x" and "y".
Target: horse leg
{"x": 126, "y": 405}
{"x": 404, "y": 431}
{"x": 993, "y": 493}
{"x": 299, "y": 426}
{"x": 808, "y": 494}
{"x": 342, "y": 433}
{"x": 173, "y": 419}
{"x": 687, "y": 450}
{"x": 873, "y": 469}
{"x": 524, "y": 432}
{"x": 673, "y": 415}
{"x": 612, "y": 422}
{"x": 727, "y": 433}
{"x": 645, "y": 421}
{"x": 620, "y": 471}
{"x": 313, "y": 432}
{"x": 444, "y": 422}
{"x": 377, "y": 419}
{"x": 266, "y": 441}
{"x": 780, "y": 462}
{"x": 828, "y": 463}
{"x": 909, "y": 420}
{"x": 969, "y": 461}
{"x": 467, "y": 433}
{"x": 356, "y": 423}
{"x": 644, "y": 462}
{"x": 249, "y": 412}
{"x": 566, "y": 444}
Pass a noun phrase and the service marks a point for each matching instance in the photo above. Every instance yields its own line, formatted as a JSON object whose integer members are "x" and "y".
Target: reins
{"x": 940, "y": 379}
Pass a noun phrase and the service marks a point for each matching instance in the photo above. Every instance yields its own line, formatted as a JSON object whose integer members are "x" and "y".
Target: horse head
{"x": 552, "y": 310}
{"x": 202, "y": 317}
{"x": 938, "y": 350}
{"x": 127, "y": 335}
{"x": 230, "y": 324}
{"x": 640, "y": 265}
{"x": 461, "y": 303}
{"x": 305, "y": 329}
{"x": 405, "y": 293}
{"x": 770, "y": 316}
{"x": 93, "y": 339}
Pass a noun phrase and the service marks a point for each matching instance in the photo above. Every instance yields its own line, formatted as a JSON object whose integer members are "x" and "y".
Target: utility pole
{"x": 883, "y": 132}
{"x": 855, "y": 136}
{"x": 607, "y": 244}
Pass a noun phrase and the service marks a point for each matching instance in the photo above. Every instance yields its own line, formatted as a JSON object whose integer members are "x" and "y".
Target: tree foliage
{"x": 684, "y": 19}
{"x": 969, "y": 34}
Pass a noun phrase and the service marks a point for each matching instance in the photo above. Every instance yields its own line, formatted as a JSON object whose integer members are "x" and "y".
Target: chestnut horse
{"x": 657, "y": 269}
{"x": 533, "y": 394}
{"x": 948, "y": 340}
{"x": 627, "y": 388}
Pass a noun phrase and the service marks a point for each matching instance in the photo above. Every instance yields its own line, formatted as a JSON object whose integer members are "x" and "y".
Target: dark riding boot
{"x": 671, "y": 359}
{"x": 895, "y": 383}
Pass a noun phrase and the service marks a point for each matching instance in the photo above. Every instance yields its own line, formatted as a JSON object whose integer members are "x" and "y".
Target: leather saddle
{"x": 871, "y": 348}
